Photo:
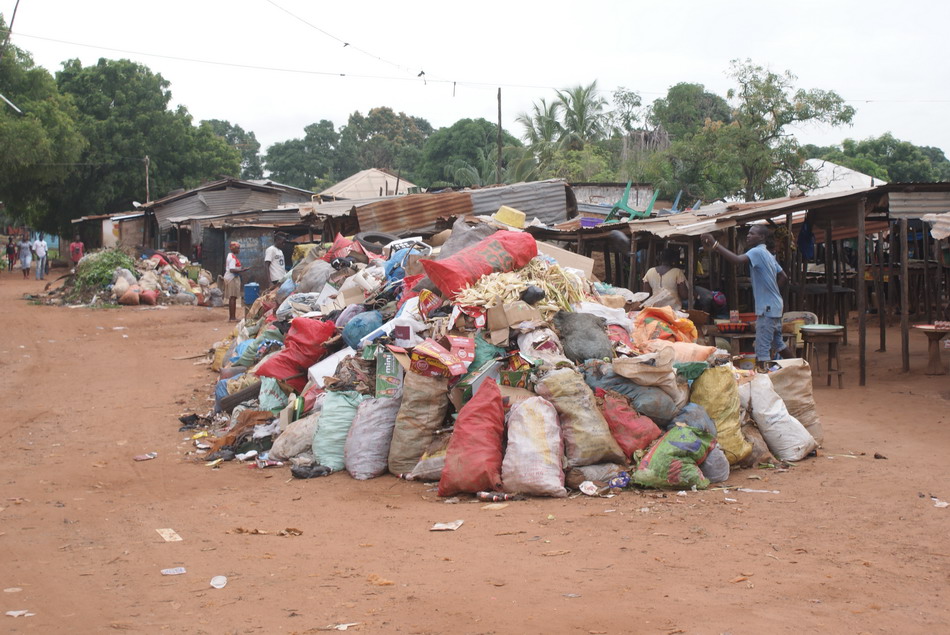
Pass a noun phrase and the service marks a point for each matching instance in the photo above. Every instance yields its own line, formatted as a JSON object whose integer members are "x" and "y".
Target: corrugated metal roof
{"x": 368, "y": 183}
{"x": 548, "y": 201}
{"x": 724, "y": 215}
{"x": 918, "y": 204}
{"x": 940, "y": 223}
{"x": 335, "y": 209}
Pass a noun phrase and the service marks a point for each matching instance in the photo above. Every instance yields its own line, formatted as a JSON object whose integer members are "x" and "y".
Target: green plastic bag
{"x": 673, "y": 463}
{"x": 339, "y": 410}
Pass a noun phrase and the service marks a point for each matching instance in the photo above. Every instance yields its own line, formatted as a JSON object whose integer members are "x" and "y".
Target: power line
{"x": 471, "y": 84}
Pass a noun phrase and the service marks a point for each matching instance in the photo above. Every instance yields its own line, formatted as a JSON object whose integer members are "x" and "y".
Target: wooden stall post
{"x": 905, "y": 300}
{"x": 691, "y": 274}
{"x": 862, "y": 299}
{"x": 829, "y": 316}
{"x": 632, "y": 281}
{"x": 926, "y": 254}
{"x": 733, "y": 271}
{"x": 879, "y": 290}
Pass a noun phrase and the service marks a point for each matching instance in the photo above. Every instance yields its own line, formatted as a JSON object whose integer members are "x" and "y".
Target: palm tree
{"x": 584, "y": 118}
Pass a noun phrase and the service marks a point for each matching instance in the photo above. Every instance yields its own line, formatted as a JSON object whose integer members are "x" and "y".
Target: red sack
{"x": 341, "y": 248}
{"x": 303, "y": 347}
{"x": 502, "y": 251}
{"x": 473, "y": 458}
{"x": 631, "y": 430}
{"x": 149, "y": 297}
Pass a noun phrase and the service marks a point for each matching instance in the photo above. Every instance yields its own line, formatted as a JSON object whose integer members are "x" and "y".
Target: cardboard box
{"x": 567, "y": 258}
{"x": 388, "y": 374}
{"x": 462, "y": 347}
{"x": 501, "y": 318}
{"x": 434, "y": 360}
{"x": 469, "y": 384}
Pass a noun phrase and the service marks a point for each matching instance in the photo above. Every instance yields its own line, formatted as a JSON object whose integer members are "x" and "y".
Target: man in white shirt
{"x": 40, "y": 249}
{"x": 274, "y": 259}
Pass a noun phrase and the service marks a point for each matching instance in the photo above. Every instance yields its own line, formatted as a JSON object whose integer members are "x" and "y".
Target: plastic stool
{"x": 830, "y": 340}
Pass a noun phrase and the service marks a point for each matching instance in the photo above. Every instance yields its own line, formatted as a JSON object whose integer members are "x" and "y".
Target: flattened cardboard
{"x": 567, "y": 258}
{"x": 501, "y": 318}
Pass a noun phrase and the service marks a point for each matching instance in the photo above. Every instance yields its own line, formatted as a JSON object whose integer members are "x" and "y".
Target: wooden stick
{"x": 829, "y": 279}
{"x": 862, "y": 300}
{"x": 879, "y": 290}
{"x": 925, "y": 239}
{"x": 905, "y": 300}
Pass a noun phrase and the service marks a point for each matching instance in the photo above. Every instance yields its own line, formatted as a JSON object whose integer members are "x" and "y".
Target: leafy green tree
{"x": 754, "y": 155}
{"x": 245, "y": 142}
{"x": 124, "y": 115}
{"x": 40, "y": 143}
{"x": 686, "y": 108}
{"x": 583, "y": 116}
{"x": 381, "y": 139}
{"x": 307, "y": 162}
{"x": 589, "y": 164}
{"x": 767, "y": 154}
{"x": 467, "y": 141}
{"x": 891, "y": 159}
{"x": 542, "y": 130}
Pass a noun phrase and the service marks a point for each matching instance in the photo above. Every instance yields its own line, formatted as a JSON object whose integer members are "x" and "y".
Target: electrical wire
{"x": 470, "y": 84}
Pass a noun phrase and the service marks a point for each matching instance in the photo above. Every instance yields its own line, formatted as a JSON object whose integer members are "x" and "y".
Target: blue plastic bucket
{"x": 251, "y": 291}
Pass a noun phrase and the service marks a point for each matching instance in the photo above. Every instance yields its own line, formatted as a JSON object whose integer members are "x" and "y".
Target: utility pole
{"x": 147, "y": 162}
{"x": 498, "y": 162}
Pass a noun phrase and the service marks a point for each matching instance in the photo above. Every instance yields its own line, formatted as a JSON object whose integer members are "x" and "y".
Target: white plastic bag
{"x": 786, "y": 437}
{"x": 366, "y": 452}
{"x": 532, "y": 463}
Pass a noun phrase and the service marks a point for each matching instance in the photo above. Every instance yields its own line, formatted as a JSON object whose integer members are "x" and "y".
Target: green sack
{"x": 673, "y": 463}
{"x": 339, "y": 410}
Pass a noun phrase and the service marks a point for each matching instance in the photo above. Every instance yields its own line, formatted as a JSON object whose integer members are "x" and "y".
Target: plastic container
{"x": 587, "y": 221}
{"x": 251, "y": 292}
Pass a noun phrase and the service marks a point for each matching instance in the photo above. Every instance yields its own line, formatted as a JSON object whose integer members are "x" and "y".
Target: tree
{"x": 583, "y": 115}
{"x": 245, "y": 142}
{"x": 123, "y": 113}
{"x": 40, "y": 143}
{"x": 890, "y": 159}
{"x": 467, "y": 141}
{"x": 382, "y": 139}
{"x": 686, "y": 108}
{"x": 542, "y": 130}
{"x": 754, "y": 155}
{"x": 307, "y": 162}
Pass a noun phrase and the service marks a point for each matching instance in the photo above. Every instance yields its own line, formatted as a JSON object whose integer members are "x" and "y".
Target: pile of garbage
{"x": 493, "y": 369}
{"x": 118, "y": 276}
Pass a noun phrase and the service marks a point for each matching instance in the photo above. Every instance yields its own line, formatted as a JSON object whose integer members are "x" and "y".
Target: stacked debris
{"x": 487, "y": 366}
{"x": 117, "y": 276}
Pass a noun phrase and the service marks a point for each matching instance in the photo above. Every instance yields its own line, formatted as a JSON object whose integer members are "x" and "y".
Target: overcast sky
{"x": 274, "y": 66}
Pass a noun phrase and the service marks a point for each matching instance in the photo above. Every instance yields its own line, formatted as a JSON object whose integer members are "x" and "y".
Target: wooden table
{"x": 735, "y": 339}
{"x": 934, "y": 335}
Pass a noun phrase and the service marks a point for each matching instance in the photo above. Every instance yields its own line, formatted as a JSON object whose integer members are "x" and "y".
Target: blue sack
{"x": 360, "y": 326}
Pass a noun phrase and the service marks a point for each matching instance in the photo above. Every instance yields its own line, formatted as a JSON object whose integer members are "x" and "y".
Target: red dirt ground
{"x": 850, "y": 544}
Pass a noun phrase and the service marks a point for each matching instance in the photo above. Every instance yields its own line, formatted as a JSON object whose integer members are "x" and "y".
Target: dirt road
{"x": 850, "y": 543}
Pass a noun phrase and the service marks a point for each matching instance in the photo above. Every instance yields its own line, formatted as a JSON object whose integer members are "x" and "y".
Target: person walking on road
{"x": 232, "y": 280}
{"x": 768, "y": 278}
{"x": 11, "y": 254}
{"x": 41, "y": 249}
{"x": 25, "y": 254}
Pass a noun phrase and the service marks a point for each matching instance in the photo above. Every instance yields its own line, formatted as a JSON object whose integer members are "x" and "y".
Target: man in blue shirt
{"x": 767, "y": 281}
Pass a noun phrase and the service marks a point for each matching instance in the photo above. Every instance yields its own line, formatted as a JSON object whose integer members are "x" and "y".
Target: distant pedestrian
{"x": 41, "y": 249}
{"x": 274, "y": 259}
{"x": 11, "y": 254}
{"x": 25, "y": 254}
{"x": 76, "y": 251}
{"x": 232, "y": 280}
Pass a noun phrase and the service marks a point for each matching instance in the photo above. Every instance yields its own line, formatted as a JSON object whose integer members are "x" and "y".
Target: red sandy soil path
{"x": 849, "y": 545}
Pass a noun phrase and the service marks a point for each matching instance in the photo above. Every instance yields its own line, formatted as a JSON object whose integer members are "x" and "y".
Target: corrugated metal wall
{"x": 916, "y": 204}
{"x": 606, "y": 194}
{"x": 549, "y": 201}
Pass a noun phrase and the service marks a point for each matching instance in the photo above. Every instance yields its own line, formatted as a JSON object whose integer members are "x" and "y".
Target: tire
{"x": 375, "y": 241}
